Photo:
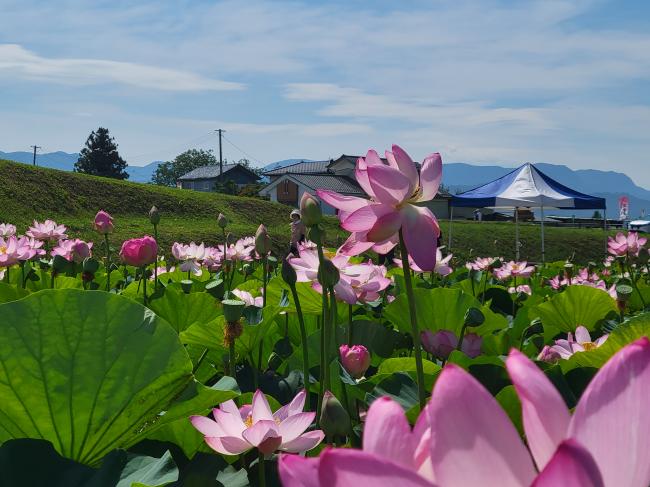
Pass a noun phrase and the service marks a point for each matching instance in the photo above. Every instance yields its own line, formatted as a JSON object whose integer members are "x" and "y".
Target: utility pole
{"x": 220, "y": 153}
{"x": 35, "y": 147}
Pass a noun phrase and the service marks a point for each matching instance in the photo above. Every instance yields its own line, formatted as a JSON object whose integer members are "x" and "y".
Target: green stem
{"x": 198, "y": 363}
{"x": 155, "y": 269}
{"x": 349, "y": 324}
{"x": 255, "y": 374}
{"x": 462, "y": 336}
{"x": 414, "y": 322}
{"x": 108, "y": 263}
{"x": 225, "y": 261}
{"x": 303, "y": 339}
{"x": 7, "y": 275}
{"x": 485, "y": 280}
{"x": 22, "y": 268}
{"x": 634, "y": 284}
{"x": 143, "y": 276}
{"x": 324, "y": 367}
{"x": 261, "y": 471}
{"x": 231, "y": 358}
{"x": 264, "y": 280}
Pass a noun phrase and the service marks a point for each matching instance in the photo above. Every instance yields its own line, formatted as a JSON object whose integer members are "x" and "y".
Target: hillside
{"x": 73, "y": 199}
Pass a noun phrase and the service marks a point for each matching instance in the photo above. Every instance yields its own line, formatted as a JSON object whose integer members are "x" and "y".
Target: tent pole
{"x": 605, "y": 228}
{"x": 451, "y": 220}
{"x": 517, "y": 233}
{"x": 543, "y": 247}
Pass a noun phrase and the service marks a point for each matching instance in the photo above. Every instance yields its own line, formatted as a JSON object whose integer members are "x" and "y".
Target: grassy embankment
{"x": 28, "y": 192}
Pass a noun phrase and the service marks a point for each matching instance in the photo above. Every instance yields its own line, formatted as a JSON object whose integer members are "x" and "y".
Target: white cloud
{"x": 17, "y": 62}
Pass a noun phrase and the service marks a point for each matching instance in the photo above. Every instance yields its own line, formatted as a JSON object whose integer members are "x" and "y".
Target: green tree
{"x": 168, "y": 172}
{"x": 597, "y": 215}
{"x": 100, "y": 157}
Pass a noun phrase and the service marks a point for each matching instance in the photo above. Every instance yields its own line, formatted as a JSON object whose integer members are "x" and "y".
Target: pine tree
{"x": 100, "y": 156}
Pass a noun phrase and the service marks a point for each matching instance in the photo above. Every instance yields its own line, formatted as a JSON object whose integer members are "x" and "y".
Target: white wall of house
{"x": 273, "y": 196}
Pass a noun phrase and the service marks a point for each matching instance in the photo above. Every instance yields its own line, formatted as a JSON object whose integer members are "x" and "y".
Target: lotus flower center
{"x": 3, "y": 250}
{"x": 589, "y": 346}
{"x": 249, "y": 421}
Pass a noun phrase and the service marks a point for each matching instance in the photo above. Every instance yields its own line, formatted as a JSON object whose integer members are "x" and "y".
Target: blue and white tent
{"x": 526, "y": 187}
{"x": 529, "y": 187}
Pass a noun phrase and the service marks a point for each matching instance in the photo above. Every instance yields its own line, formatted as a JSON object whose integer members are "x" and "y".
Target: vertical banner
{"x": 623, "y": 208}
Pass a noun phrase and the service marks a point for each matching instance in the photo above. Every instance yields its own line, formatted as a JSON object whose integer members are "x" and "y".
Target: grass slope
{"x": 28, "y": 193}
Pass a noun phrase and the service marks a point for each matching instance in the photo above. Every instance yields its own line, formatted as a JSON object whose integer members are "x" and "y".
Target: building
{"x": 287, "y": 184}
{"x": 205, "y": 178}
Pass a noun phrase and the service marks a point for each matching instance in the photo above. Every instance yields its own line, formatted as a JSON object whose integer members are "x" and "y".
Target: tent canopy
{"x": 527, "y": 186}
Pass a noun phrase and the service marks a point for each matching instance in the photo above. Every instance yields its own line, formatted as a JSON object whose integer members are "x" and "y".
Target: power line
{"x": 197, "y": 140}
{"x": 242, "y": 150}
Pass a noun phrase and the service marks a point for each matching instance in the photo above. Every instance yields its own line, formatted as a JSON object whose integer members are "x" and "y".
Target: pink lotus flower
{"x": 103, "y": 222}
{"x": 355, "y": 360}
{"x": 235, "y": 431}
{"x": 162, "y": 269}
{"x": 32, "y": 248}
{"x": 548, "y": 355}
{"x": 366, "y": 281}
{"x": 623, "y": 245}
{"x": 394, "y": 189}
{"x": 7, "y": 230}
{"x": 514, "y": 269}
{"x": 73, "y": 250}
{"x": 482, "y": 263}
{"x": 14, "y": 250}
{"x": 47, "y": 231}
{"x": 442, "y": 266}
{"x": 248, "y": 298}
{"x": 190, "y": 256}
{"x": 581, "y": 343}
{"x": 524, "y": 288}
{"x": 139, "y": 252}
{"x": 441, "y": 343}
{"x": 467, "y": 438}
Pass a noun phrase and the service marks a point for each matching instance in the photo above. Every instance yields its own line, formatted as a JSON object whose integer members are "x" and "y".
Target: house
{"x": 205, "y": 178}
{"x": 287, "y": 184}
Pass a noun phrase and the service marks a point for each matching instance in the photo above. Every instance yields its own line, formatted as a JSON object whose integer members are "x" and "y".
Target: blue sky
{"x": 481, "y": 81}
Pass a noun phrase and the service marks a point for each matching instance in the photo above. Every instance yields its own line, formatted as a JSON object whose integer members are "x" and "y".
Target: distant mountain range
{"x": 64, "y": 161}
{"x": 457, "y": 177}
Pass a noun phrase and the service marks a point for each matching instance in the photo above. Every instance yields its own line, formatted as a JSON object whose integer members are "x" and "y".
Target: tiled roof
{"x": 300, "y": 168}
{"x": 340, "y": 184}
{"x": 206, "y": 172}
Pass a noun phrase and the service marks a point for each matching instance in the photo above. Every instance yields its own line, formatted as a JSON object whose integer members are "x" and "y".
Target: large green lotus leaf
{"x": 87, "y": 370}
{"x": 622, "y": 335}
{"x": 9, "y": 292}
{"x": 577, "y": 305}
{"x": 441, "y": 309}
{"x": 183, "y": 310}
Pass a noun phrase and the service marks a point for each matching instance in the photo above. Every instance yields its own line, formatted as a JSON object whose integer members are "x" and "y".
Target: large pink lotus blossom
{"x": 235, "y": 431}
{"x": 626, "y": 245}
{"x": 139, "y": 252}
{"x": 73, "y": 250}
{"x": 581, "y": 343}
{"x": 190, "y": 256}
{"x": 248, "y": 298}
{"x": 394, "y": 190}
{"x": 14, "y": 250}
{"x": 7, "y": 230}
{"x": 467, "y": 438}
{"x": 47, "y": 231}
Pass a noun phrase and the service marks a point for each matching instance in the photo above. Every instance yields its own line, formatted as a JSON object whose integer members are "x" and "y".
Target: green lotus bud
{"x": 474, "y": 317}
{"x": 186, "y": 285}
{"x": 334, "y": 419}
{"x": 288, "y": 273}
{"x": 328, "y": 273}
{"x": 154, "y": 215}
{"x": 222, "y": 221}
{"x": 310, "y": 210}
{"x": 232, "y": 309}
{"x": 262, "y": 241}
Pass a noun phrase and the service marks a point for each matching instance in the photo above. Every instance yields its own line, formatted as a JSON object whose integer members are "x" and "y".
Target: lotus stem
{"x": 108, "y": 263}
{"x": 303, "y": 339}
{"x": 417, "y": 346}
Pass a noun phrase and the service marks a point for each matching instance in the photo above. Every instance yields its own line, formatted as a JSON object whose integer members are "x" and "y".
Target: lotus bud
{"x": 154, "y": 215}
{"x": 328, "y": 274}
{"x": 355, "y": 360}
{"x": 222, "y": 221}
{"x": 548, "y": 355}
{"x": 103, "y": 222}
{"x": 262, "y": 241}
{"x": 334, "y": 419}
{"x": 439, "y": 344}
{"x": 472, "y": 345}
{"x": 474, "y": 317}
{"x": 288, "y": 273}
{"x": 310, "y": 210}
